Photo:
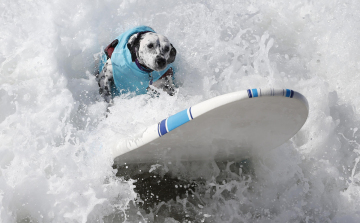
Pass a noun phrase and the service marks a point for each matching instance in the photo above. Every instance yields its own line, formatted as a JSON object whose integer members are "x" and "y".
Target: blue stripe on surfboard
{"x": 249, "y": 93}
{"x": 190, "y": 113}
{"x": 255, "y": 93}
{"x": 178, "y": 119}
{"x": 163, "y": 127}
{"x": 288, "y": 93}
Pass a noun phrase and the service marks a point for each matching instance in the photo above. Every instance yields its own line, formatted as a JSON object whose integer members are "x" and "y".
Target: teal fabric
{"x": 127, "y": 76}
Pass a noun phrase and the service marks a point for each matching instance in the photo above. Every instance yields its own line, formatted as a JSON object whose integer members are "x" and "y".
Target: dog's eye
{"x": 166, "y": 49}
{"x": 150, "y": 45}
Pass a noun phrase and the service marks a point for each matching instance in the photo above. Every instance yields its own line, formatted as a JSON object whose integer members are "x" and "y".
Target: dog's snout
{"x": 160, "y": 61}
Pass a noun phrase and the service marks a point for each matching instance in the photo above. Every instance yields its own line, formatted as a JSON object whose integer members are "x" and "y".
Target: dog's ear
{"x": 172, "y": 54}
{"x": 133, "y": 45}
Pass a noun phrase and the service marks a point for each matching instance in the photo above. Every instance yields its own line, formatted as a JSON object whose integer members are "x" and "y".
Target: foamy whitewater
{"x": 55, "y": 164}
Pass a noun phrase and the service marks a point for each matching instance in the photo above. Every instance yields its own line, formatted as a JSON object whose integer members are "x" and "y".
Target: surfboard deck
{"x": 226, "y": 127}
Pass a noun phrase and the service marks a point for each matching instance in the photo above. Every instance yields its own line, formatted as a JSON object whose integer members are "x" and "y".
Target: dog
{"x": 140, "y": 61}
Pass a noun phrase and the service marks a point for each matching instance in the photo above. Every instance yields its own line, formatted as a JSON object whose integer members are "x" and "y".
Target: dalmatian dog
{"x": 150, "y": 53}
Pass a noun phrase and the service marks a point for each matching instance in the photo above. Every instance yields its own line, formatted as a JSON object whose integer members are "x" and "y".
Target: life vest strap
{"x": 169, "y": 72}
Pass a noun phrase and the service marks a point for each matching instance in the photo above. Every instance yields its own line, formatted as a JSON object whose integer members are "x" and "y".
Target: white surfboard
{"x": 227, "y": 127}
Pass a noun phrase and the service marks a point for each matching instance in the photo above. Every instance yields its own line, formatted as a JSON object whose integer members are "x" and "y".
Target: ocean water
{"x": 55, "y": 133}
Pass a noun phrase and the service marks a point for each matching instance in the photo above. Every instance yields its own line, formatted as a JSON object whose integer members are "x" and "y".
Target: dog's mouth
{"x": 158, "y": 64}
{"x": 159, "y": 68}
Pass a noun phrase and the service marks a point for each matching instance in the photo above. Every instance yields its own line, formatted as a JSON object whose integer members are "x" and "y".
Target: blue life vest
{"x": 127, "y": 75}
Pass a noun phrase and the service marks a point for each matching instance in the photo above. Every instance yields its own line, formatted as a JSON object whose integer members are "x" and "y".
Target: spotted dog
{"x": 139, "y": 60}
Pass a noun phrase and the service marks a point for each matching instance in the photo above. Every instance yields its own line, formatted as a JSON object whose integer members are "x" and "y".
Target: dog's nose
{"x": 160, "y": 61}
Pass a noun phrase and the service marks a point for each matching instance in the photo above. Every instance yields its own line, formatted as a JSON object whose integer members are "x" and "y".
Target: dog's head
{"x": 152, "y": 50}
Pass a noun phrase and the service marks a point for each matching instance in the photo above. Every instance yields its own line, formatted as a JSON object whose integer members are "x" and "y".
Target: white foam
{"x": 54, "y": 165}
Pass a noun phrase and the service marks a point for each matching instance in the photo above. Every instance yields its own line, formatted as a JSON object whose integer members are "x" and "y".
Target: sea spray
{"x": 55, "y": 166}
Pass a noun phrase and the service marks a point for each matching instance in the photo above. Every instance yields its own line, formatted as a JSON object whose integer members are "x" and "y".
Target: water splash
{"x": 53, "y": 125}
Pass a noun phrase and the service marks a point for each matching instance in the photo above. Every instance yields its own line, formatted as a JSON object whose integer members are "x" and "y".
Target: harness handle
{"x": 110, "y": 49}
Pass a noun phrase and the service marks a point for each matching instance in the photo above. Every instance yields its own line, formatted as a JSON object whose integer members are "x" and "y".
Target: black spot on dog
{"x": 133, "y": 46}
